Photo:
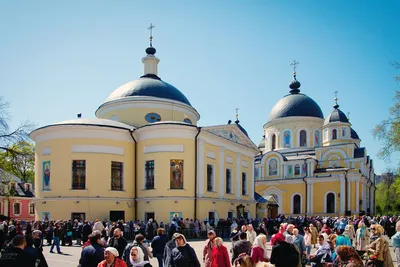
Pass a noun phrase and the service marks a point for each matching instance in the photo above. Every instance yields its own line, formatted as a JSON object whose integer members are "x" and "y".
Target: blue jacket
{"x": 91, "y": 256}
{"x": 158, "y": 244}
{"x": 299, "y": 242}
{"x": 396, "y": 240}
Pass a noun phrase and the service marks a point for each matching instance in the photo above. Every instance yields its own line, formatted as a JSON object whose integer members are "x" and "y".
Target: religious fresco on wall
{"x": 46, "y": 216}
{"x": 316, "y": 138}
{"x": 273, "y": 167}
{"x": 176, "y": 174}
{"x": 46, "y": 175}
{"x": 175, "y": 216}
{"x": 290, "y": 170}
{"x": 286, "y": 139}
{"x": 304, "y": 168}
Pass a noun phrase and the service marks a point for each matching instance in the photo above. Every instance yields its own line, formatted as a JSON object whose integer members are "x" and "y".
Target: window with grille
{"x": 210, "y": 178}
{"x": 117, "y": 176}
{"x": 149, "y": 174}
{"x": 228, "y": 181}
{"x": 79, "y": 174}
{"x": 17, "y": 208}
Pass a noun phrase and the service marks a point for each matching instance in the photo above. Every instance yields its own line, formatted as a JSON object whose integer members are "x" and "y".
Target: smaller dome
{"x": 336, "y": 116}
{"x": 353, "y": 134}
{"x": 294, "y": 85}
{"x": 150, "y": 50}
{"x": 262, "y": 143}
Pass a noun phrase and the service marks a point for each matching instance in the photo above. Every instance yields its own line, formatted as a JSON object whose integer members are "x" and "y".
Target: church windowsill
{"x": 75, "y": 189}
{"x": 116, "y": 190}
{"x": 147, "y": 189}
{"x": 176, "y": 189}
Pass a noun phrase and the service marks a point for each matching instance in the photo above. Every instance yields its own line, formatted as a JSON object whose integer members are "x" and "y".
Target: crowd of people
{"x": 342, "y": 241}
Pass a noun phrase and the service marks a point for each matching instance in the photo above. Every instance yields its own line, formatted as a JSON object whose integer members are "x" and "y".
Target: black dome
{"x": 353, "y": 134}
{"x": 295, "y": 105}
{"x": 241, "y": 128}
{"x": 336, "y": 116}
{"x": 149, "y": 85}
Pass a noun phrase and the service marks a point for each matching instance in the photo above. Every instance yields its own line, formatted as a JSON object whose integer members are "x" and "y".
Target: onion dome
{"x": 337, "y": 115}
{"x": 150, "y": 50}
{"x": 353, "y": 134}
{"x": 295, "y": 104}
{"x": 262, "y": 143}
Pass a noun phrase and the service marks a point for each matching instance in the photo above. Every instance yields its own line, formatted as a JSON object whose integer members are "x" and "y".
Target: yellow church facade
{"x": 310, "y": 164}
{"x": 142, "y": 157}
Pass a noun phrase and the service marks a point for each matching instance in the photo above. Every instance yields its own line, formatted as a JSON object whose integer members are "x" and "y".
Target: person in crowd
{"x": 314, "y": 234}
{"x": 86, "y": 231}
{"x": 259, "y": 249}
{"x": 222, "y": 257}
{"x": 118, "y": 242}
{"x": 168, "y": 250}
{"x": 14, "y": 255}
{"x": 307, "y": 241}
{"x": 183, "y": 255}
{"x": 93, "y": 254}
{"x": 209, "y": 250}
{"x": 150, "y": 229}
{"x": 300, "y": 244}
{"x": 50, "y": 233}
{"x": 323, "y": 253}
{"x": 138, "y": 242}
{"x": 350, "y": 231}
{"x": 362, "y": 238}
{"x": 158, "y": 244}
{"x": 136, "y": 258}
{"x": 325, "y": 229}
{"x": 343, "y": 238}
{"x": 243, "y": 261}
{"x": 284, "y": 254}
{"x": 251, "y": 234}
{"x": 379, "y": 248}
{"x": 196, "y": 228}
{"x": 38, "y": 245}
{"x": 289, "y": 233}
{"x": 347, "y": 256}
{"x": 396, "y": 243}
{"x": 111, "y": 259}
{"x": 240, "y": 247}
{"x": 58, "y": 234}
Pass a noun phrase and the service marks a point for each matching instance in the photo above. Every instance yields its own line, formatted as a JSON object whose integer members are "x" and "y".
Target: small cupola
{"x": 150, "y": 61}
{"x": 336, "y": 128}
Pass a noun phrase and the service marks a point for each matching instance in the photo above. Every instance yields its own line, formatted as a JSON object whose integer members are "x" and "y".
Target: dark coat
{"x": 158, "y": 244}
{"x": 239, "y": 247}
{"x": 184, "y": 257}
{"x": 285, "y": 255}
{"x": 119, "y": 244}
{"x": 91, "y": 256}
{"x": 168, "y": 252}
{"x": 16, "y": 257}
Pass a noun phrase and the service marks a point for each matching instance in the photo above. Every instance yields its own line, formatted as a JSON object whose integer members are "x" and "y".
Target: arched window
{"x": 303, "y": 138}
{"x": 330, "y": 203}
{"x": 297, "y": 169}
{"x": 334, "y": 134}
{"x": 296, "y": 204}
{"x": 273, "y": 142}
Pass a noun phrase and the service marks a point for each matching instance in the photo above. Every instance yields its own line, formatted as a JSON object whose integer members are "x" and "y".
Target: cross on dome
{"x": 150, "y": 28}
{"x": 336, "y": 99}
{"x": 294, "y": 64}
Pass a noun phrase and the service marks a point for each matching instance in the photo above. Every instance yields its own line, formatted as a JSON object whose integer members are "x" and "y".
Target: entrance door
{"x": 240, "y": 211}
{"x": 148, "y": 216}
{"x": 80, "y": 216}
{"x": 116, "y": 215}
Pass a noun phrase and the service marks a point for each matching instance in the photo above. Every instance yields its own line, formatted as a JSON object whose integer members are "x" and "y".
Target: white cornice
{"x": 146, "y": 102}
{"x": 159, "y": 131}
{"x": 294, "y": 119}
{"x": 80, "y": 131}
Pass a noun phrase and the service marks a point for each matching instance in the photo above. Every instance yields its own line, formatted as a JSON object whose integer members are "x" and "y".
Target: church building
{"x": 144, "y": 156}
{"x": 310, "y": 164}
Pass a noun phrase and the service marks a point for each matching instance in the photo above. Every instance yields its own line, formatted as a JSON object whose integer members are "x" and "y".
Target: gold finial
{"x": 151, "y": 33}
{"x": 336, "y": 99}
{"x": 348, "y": 116}
{"x": 237, "y": 114}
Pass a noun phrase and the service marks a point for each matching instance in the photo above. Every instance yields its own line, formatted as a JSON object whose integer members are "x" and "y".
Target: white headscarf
{"x": 259, "y": 243}
{"x": 141, "y": 261}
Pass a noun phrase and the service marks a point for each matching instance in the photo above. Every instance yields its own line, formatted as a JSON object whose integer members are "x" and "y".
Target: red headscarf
{"x": 277, "y": 238}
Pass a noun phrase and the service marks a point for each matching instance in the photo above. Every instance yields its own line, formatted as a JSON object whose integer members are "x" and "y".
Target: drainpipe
{"x": 346, "y": 191}
{"x": 305, "y": 182}
{"x": 135, "y": 172}
{"x": 195, "y": 172}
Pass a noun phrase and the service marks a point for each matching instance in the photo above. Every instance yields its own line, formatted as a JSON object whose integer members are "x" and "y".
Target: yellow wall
{"x": 222, "y": 208}
{"x": 162, "y": 168}
{"x": 319, "y": 195}
{"x": 125, "y": 115}
{"x": 98, "y": 168}
{"x": 94, "y": 209}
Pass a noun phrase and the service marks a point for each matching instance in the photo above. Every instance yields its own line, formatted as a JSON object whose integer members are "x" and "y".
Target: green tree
{"x": 388, "y": 131}
{"x": 20, "y": 162}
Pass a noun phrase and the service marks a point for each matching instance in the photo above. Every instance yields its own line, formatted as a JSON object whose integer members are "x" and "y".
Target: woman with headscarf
{"x": 379, "y": 248}
{"x": 344, "y": 238}
{"x": 221, "y": 258}
{"x": 136, "y": 258}
{"x": 323, "y": 253}
{"x": 259, "y": 249}
{"x": 284, "y": 254}
{"x": 348, "y": 257}
{"x": 111, "y": 259}
{"x": 362, "y": 238}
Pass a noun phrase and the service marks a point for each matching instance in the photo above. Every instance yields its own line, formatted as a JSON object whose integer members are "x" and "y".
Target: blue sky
{"x": 60, "y": 58}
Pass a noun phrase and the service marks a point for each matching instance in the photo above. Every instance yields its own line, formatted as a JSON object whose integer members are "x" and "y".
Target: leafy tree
{"x": 388, "y": 131}
{"x": 21, "y": 162}
{"x": 387, "y": 197}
